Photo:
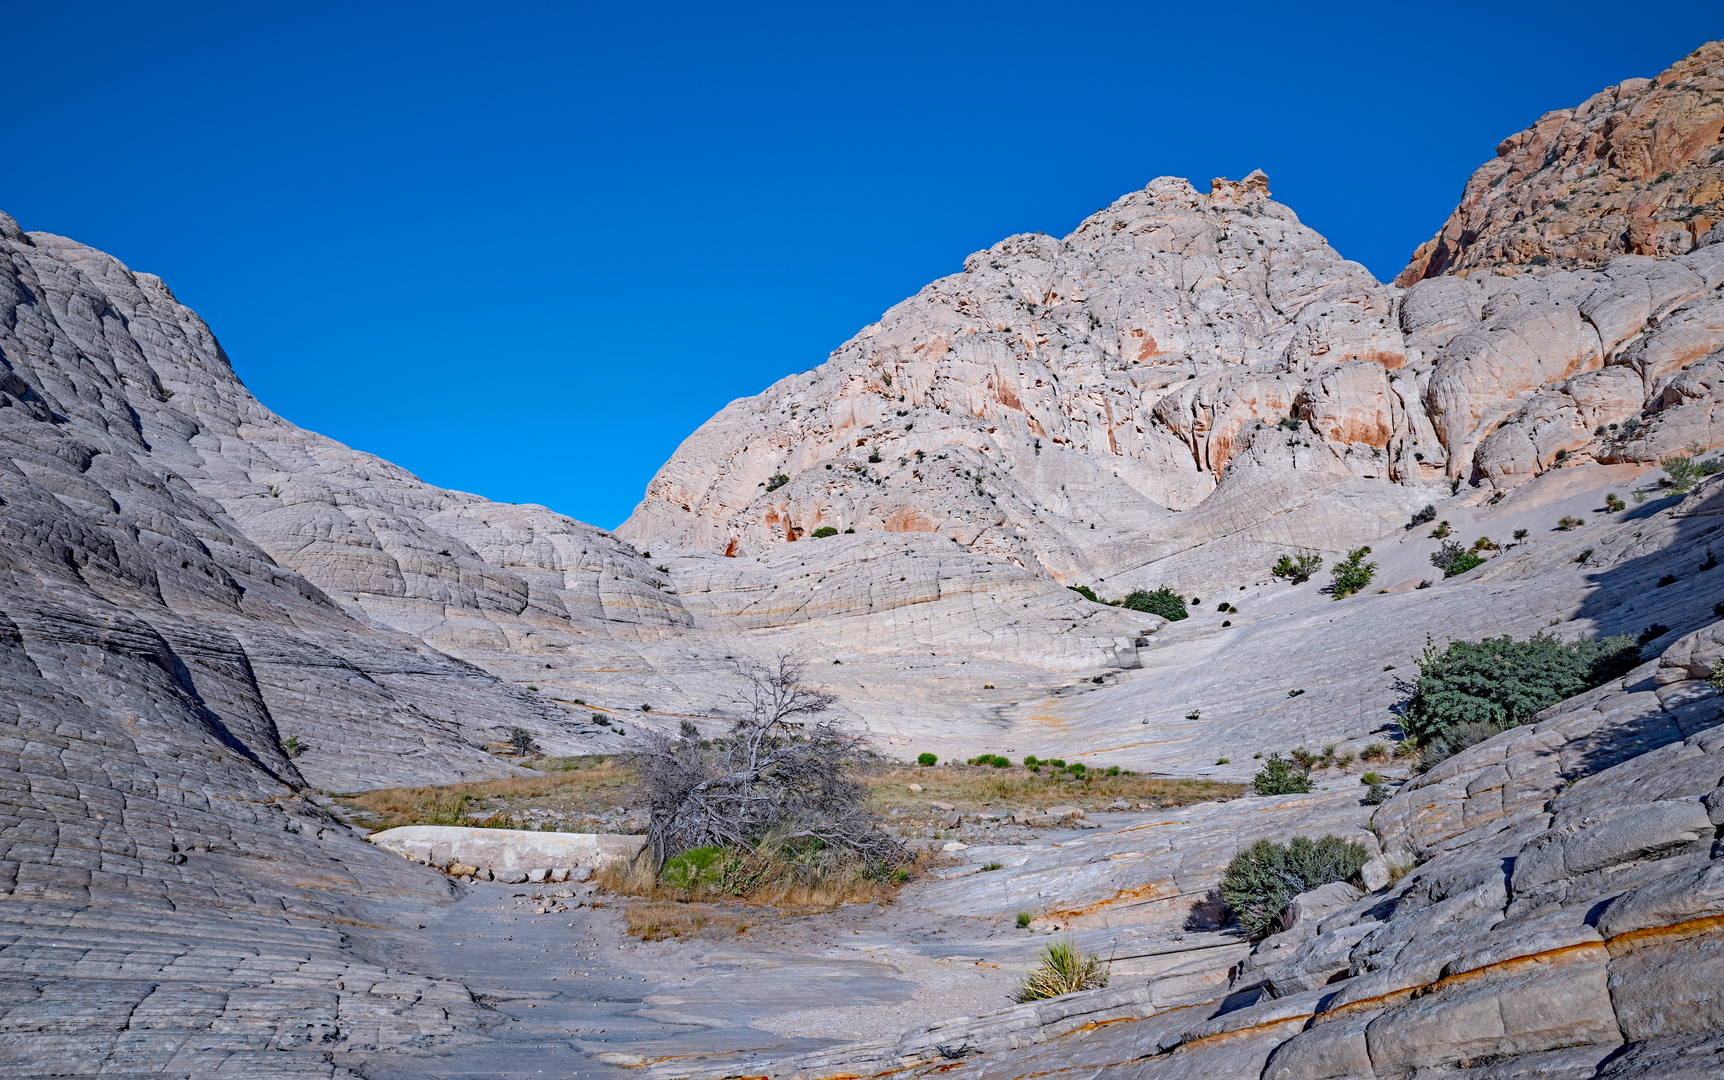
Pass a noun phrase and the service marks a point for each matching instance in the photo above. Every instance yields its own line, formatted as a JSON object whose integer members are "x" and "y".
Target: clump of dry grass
{"x": 568, "y": 786}
{"x": 976, "y": 787}
{"x": 657, "y": 921}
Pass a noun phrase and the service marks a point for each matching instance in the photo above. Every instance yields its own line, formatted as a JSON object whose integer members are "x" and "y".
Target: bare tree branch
{"x": 781, "y": 769}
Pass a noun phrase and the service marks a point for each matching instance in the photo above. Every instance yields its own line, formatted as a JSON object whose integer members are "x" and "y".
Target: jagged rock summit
{"x": 1637, "y": 168}
{"x": 1189, "y": 383}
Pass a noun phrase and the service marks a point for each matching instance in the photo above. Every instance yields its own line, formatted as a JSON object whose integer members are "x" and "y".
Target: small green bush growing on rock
{"x": 777, "y": 482}
{"x": 1352, "y": 573}
{"x": 1503, "y": 682}
{"x": 1024, "y": 918}
{"x": 1613, "y": 502}
{"x": 1282, "y": 777}
{"x": 292, "y": 747}
{"x": 1682, "y": 470}
{"x": 1086, "y": 592}
{"x": 1265, "y": 876}
{"x": 926, "y": 760}
{"x": 1454, "y": 559}
{"x": 521, "y": 741}
{"x": 1520, "y": 534}
{"x": 1376, "y": 794}
{"x": 824, "y": 531}
{"x": 1568, "y": 523}
{"x": 1298, "y": 568}
{"x": 1163, "y": 601}
{"x": 1429, "y": 513}
{"x": 1063, "y": 968}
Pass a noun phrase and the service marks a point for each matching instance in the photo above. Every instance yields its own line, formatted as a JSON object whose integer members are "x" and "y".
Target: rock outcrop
{"x": 1189, "y": 371}
{"x": 1637, "y": 168}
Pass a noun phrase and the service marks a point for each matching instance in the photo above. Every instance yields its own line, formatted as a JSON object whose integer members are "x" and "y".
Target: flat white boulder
{"x": 507, "y": 849}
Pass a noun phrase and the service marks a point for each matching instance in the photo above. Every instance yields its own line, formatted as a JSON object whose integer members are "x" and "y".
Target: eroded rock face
{"x": 1637, "y": 168}
{"x": 1094, "y": 407}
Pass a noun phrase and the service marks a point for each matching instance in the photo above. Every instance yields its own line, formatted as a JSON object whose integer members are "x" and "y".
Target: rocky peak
{"x": 1638, "y": 168}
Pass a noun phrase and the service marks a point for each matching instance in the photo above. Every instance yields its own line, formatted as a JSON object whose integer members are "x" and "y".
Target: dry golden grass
{"x": 570, "y": 786}
{"x": 657, "y": 921}
{"x": 584, "y": 785}
{"x": 777, "y": 887}
{"x": 983, "y": 787}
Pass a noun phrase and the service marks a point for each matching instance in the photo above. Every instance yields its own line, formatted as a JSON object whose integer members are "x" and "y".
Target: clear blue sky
{"x": 524, "y": 250}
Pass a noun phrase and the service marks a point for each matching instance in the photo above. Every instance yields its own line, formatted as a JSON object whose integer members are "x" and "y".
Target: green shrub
{"x": 1613, "y": 502}
{"x": 824, "y": 531}
{"x": 1454, "y": 559}
{"x": 1459, "y": 737}
{"x": 1520, "y": 534}
{"x": 926, "y": 759}
{"x": 1568, "y": 523}
{"x": 1352, "y": 573}
{"x": 1024, "y": 918}
{"x": 1163, "y": 601}
{"x": 1429, "y": 513}
{"x": 1282, "y": 777}
{"x": 1682, "y": 469}
{"x": 293, "y": 747}
{"x": 1503, "y": 682}
{"x": 1085, "y": 591}
{"x": 694, "y": 868}
{"x": 1376, "y": 794}
{"x": 1265, "y": 876}
{"x": 777, "y": 482}
{"x": 1062, "y": 969}
{"x": 1298, "y": 568}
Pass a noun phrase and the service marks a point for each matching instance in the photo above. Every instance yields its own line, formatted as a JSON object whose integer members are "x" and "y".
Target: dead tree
{"x": 779, "y": 770}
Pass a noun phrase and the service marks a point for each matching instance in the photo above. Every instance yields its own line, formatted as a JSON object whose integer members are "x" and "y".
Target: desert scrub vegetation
{"x": 778, "y": 795}
{"x": 1297, "y": 568}
{"x": 1260, "y": 880}
{"x": 1062, "y": 968}
{"x": 1352, "y": 573}
{"x": 1468, "y": 687}
{"x": 1163, "y": 601}
{"x": 1280, "y": 776}
{"x": 569, "y": 793}
{"x": 789, "y": 873}
{"x": 1454, "y": 559}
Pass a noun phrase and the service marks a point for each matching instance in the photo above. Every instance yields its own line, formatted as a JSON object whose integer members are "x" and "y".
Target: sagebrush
{"x": 1261, "y": 879}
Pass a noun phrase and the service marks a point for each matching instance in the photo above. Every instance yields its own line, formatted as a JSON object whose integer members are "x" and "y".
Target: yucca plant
{"x": 1062, "y": 969}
